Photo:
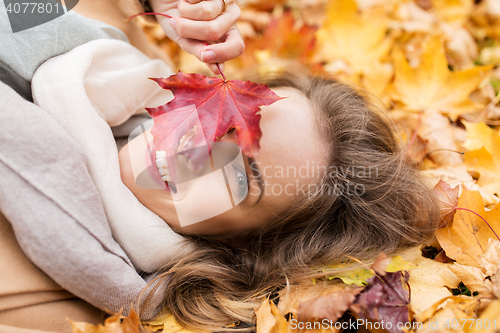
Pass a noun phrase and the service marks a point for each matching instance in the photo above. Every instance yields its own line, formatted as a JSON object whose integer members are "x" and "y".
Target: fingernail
{"x": 172, "y": 23}
{"x": 207, "y": 56}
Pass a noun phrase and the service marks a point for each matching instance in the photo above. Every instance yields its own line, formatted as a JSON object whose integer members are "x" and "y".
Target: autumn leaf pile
{"x": 434, "y": 64}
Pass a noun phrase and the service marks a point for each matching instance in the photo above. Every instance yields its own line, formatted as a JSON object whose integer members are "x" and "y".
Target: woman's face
{"x": 286, "y": 168}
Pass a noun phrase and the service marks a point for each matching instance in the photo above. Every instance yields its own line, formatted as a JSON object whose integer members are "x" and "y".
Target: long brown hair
{"x": 217, "y": 285}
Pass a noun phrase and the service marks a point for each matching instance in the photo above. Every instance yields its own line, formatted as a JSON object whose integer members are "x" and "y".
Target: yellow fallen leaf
{"x": 376, "y": 78}
{"x": 432, "y": 87}
{"x": 114, "y": 324}
{"x": 412, "y": 255}
{"x": 480, "y": 135}
{"x": 486, "y": 161}
{"x": 473, "y": 278}
{"x": 450, "y": 315}
{"x": 357, "y": 38}
{"x": 468, "y": 237}
{"x": 490, "y": 319}
{"x": 269, "y": 318}
{"x": 443, "y": 321}
{"x": 429, "y": 283}
{"x": 358, "y": 276}
{"x": 167, "y": 323}
{"x": 465, "y": 304}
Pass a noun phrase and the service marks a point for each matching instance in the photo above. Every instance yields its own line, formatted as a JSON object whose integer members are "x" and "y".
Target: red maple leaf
{"x": 220, "y": 105}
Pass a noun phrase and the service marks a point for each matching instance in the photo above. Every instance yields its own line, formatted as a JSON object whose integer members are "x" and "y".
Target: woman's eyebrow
{"x": 257, "y": 175}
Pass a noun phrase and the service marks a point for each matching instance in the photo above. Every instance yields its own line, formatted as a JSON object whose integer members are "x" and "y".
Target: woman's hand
{"x": 196, "y": 21}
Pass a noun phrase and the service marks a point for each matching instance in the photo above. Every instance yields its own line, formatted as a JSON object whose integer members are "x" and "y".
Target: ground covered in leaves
{"x": 434, "y": 64}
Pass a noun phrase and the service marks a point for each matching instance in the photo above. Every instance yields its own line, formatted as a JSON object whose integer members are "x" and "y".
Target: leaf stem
{"x": 165, "y": 15}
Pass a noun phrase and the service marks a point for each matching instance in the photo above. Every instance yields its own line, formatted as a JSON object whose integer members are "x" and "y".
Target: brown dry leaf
{"x": 485, "y": 94}
{"x": 331, "y": 306}
{"x": 455, "y": 176}
{"x": 473, "y": 278}
{"x": 485, "y": 21}
{"x": 356, "y": 38}
{"x": 491, "y": 258}
{"x": 495, "y": 280}
{"x": 448, "y": 199}
{"x": 269, "y": 318}
{"x": 312, "y": 11}
{"x": 455, "y": 12}
{"x": 441, "y": 147}
{"x": 381, "y": 263}
{"x": 429, "y": 283}
{"x": 490, "y": 55}
{"x": 412, "y": 18}
{"x": 468, "y": 237}
{"x": 460, "y": 46}
{"x": 406, "y": 125}
{"x": 291, "y": 296}
{"x": 432, "y": 87}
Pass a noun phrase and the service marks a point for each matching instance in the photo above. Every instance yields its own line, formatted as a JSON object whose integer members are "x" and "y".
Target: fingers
{"x": 196, "y": 47}
{"x": 201, "y": 10}
{"x": 214, "y": 69}
{"x": 231, "y": 47}
{"x": 211, "y": 30}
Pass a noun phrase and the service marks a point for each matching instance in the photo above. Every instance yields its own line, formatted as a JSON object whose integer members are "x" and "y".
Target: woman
{"x": 357, "y": 195}
{"x": 369, "y": 198}
{"x": 54, "y": 215}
